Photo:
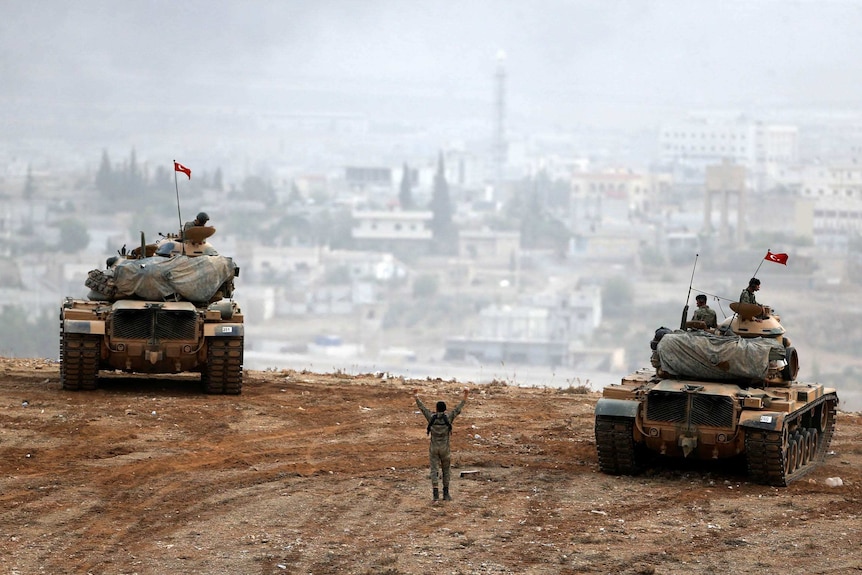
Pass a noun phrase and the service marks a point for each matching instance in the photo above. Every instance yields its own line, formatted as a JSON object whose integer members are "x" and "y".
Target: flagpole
{"x": 177, "y": 188}
{"x": 760, "y": 264}
{"x": 179, "y": 215}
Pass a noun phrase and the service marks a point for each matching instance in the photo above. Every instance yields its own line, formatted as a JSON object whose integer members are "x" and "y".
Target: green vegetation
{"x": 442, "y": 226}
{"x": 73, "y": 236}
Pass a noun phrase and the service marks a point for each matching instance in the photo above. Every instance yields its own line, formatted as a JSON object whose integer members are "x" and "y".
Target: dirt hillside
{"x": 315, "y": 474}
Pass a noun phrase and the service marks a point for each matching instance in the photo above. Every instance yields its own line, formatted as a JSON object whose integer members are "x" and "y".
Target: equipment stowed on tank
{"x": 160, "y": 308}
{"x": 722, "y": 395}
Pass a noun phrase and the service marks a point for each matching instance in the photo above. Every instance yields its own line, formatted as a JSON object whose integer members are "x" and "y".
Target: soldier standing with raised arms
{"x": 439, "y": 429}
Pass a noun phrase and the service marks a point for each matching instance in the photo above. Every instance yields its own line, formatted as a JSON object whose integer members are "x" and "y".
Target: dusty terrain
{"x": 312, "y": 473}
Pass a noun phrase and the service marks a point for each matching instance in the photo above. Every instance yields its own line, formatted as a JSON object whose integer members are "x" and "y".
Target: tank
{"x": 161, "y": 308}
{"x": 726, "y": 394}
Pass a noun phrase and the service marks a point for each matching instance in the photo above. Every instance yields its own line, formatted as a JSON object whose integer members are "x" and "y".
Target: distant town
{"x": 545, "y": 258}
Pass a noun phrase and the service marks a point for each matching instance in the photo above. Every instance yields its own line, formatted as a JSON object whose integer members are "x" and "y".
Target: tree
{"x": 134, "y": 177}
{"x": 162, "y": 180}
{"x": 442, "y": 227}
{"x": 538, "y": 227}
{"x": 295, "y": 197}
{"x": 256, "y": 188}
{"x": 617, "y": 296}
{"x": 405, "y": 196}
{"x": 73, "y": 236}
{"x": 29, "y": 185}
{"x": 105, "y": 179}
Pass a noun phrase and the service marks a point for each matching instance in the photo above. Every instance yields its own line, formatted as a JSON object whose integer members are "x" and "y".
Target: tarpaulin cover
{"x": 701, "y": 355}
{"x": 195, "y": 279}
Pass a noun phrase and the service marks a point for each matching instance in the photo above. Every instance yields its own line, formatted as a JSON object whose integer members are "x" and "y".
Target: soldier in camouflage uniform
{"x": 440, "y": 428}
{"x": 200, "y": 220}
{"x": 704, "y": 313}
{"x": 747, "y": 295}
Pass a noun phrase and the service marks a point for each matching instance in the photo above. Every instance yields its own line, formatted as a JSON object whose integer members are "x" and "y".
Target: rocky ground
{"x": 326, "y": 473}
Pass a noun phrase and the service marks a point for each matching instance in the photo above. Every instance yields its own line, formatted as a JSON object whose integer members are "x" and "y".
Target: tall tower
{"x": 499, "y": 144}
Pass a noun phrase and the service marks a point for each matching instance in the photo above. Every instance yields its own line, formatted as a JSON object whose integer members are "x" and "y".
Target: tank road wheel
{"x": 800, "y": 449}
{"x": 223, "y": 370}
{"x": 813, "y": 438}
{"x": 805, "y": 447}
{"x": 618, "y": 453}
{"x": 791, "y": 456}
{"x": 79, "y": 361}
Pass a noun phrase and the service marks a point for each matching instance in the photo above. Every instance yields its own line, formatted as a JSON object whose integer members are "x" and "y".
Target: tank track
{"x": 780, "y": 457}
{"x": 79, "y": 360}
{"x": 223, "y": 370}
{"x": 615, "y": 445}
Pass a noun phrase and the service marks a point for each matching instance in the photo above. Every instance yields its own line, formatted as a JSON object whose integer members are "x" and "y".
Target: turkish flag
{"x": 777, "y": 258}
{"x": 178, "y": 167}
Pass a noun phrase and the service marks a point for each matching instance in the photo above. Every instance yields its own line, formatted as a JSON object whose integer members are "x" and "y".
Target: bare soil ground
{"x": 327, "y": 473}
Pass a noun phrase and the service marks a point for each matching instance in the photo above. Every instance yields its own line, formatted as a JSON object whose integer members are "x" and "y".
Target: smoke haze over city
{"x": 569, "y": 63}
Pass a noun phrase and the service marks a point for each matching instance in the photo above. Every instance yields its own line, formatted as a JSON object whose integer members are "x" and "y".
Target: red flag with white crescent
{"x": 178, "y": 167}
{"x": 777, "y": 258}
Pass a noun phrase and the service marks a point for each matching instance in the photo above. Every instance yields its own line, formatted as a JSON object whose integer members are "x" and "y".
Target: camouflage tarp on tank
{"x": 700, "y": 355}
{"x": 157, "y": 278}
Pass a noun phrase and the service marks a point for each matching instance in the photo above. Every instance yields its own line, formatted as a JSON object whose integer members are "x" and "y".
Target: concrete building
{"x": 700, "y": 141}
{"x": 550, "y": 329}
{"x": 491, "y": 247}
{"x": 597, "y": 198}
{"x": 392, "y": 230}
{"x": 829, "y": 205}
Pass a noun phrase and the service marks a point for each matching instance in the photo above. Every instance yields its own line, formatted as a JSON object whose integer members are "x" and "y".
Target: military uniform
{"x": 747, "y": 297}
{"x": 706, "y": 315}
{"x": 200, "y": 220}
{"x": 439, "y": 450}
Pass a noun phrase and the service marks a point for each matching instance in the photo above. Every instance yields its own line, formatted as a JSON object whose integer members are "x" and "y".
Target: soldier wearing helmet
{"x": 200, "y": 220}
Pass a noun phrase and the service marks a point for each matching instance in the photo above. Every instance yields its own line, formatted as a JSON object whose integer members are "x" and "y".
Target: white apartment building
{"x": 834, "y": 194}
{"x": 826, "y": 182}
{"x": 697, "y": 142}
{"x": 392, "y": 230}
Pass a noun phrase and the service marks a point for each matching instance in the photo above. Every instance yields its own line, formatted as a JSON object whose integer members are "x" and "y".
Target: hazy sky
{"x": 428, "y": 58}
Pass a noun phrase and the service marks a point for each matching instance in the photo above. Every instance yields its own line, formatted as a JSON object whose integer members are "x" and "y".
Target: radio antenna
{"x": 691, "y": 281}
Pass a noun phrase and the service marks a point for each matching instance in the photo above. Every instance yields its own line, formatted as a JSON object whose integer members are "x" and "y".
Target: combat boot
{"x": 446, "y": 496}
{"x": 436, "y": 494}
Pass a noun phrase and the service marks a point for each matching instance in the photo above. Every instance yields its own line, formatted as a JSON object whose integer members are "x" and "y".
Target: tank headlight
{"x": 721, "y": 438}
{"x": 187, "y": 349}
{"x": 653, "y": 431}
{"x": 121, "y": 347}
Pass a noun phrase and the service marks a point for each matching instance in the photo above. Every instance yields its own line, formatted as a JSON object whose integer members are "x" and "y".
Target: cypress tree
{"x": 405, "y": 196}
{"x": 442, "y": 227}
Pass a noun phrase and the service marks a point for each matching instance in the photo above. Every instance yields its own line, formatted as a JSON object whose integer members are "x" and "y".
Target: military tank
{"x": 161, "y": 308}
{"x": 719, "y": 394}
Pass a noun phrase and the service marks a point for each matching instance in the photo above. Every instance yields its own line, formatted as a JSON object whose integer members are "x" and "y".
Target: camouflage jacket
{"x": 747, "y": 297}
{"x": 440, "y": 432}
{"x": 706, "y": 315}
